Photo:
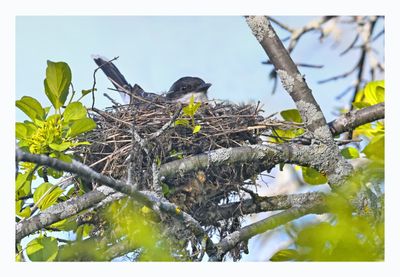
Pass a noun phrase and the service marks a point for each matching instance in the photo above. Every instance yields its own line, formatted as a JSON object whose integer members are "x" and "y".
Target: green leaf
{"x": 60, "y": 146}
{"x": 361, "y": 104}
{"x": 22, "y": 212}
{"x": 42, "y": 249}
{"x": 46, "y": 195}
{"x": 57, "y": 82}
{"x": 74, "y": 111}
{"x": 196, "y": 129}
{"x": 83, "y": 231}
{"x": 86, "y": 91}
{"x": 54, "y": 173}
{"x": 375, "y": 150}
{"x": 21, "y": 179}
{"x": 375, "y": 92}
{"x": 283, "y": 135}
{"x": 165, "y": 189}
{"x": 313, "y": 177}
{"x": 23, "y": 184}
{"x": 350, "y": 153}
{"x": 291, "y": 115}
{"x": 81, "y": 126}
{"x": 31, "y": 107}
{"x": 182, "y": 121}
{"x": 64, "y": 157}
{"x": 284, "y": 255}
{"x": 21, "y": 130}
{"x": 66, "y": 224}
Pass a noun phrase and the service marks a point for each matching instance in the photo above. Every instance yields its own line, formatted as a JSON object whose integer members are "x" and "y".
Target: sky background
{"x": 155, "y": 51}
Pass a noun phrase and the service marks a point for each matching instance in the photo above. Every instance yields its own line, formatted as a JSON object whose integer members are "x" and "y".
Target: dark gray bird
{"x": 186, "y": 87}
{"x": 180, "y": 91}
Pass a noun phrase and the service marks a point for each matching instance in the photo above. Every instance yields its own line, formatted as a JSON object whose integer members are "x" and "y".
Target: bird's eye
{"x": 183, "y": 88}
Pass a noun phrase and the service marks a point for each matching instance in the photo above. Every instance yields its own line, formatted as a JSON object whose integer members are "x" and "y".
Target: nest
{"x": 114, "y": 148}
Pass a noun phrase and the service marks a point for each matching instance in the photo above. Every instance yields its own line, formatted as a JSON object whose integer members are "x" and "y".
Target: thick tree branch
{"x": 57, "y": 212}
{"x": 261, "y": 204}
{"x": 292, "y": 80}
{"x": 262, "y": 226}
{"x": 352, "y": 119}
{"x": 84, "y": 172}
{"x": 295, "y": 84}
{"x": 73, "y": 206}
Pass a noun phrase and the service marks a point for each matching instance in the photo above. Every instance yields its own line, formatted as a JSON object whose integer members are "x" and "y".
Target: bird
{"x": 181, "y": 90}
{"x": 186, "y": 87}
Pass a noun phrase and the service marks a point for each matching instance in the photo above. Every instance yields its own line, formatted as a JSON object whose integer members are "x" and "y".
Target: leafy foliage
{"x": 42, "y": 249}
{"x": 189, "y": 112}
{"x": 53, "y": 134}
{"x": 354, "y": 232}
{"x": 356, "y": 229}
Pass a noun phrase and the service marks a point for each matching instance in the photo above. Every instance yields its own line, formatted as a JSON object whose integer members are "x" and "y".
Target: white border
{"x": 191, "y": 7}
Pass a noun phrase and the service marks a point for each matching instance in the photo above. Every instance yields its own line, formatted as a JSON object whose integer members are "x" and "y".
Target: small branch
{"x": 166, "y": 125}
{"x": 282, "y": 25}
{"x": 115, "y": 103}
{"x": 94, "y": 78}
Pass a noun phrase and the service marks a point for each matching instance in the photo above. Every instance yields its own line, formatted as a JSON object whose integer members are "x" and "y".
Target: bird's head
{"x": 186, "y": 87}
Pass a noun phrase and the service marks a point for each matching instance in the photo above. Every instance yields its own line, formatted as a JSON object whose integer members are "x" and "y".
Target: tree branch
{"x": 247, "y": 232}
{"x": 73, "y": 206}
{"x": 352, "y": 119}
{"x": 57, "y": 212}
{"x": 295, "y": 84}
{"x": 292, "y": 80}
{"x": 260, "y": 204}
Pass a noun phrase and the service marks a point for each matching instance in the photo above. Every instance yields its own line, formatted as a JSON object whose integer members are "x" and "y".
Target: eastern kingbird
{"x": 180, "y": 91}
{"x": 186, "y": 87}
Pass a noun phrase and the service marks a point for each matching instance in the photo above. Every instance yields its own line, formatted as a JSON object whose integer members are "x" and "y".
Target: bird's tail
{"x": 115, "y": 76}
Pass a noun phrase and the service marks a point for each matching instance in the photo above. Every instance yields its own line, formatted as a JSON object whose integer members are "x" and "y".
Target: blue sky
{"x": 154, "y": 51}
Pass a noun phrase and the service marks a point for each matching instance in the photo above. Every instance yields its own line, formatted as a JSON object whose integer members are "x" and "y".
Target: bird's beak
{"x": 203, "y": 87}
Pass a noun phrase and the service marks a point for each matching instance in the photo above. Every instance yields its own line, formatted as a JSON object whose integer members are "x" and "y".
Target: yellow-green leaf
{"x": 46, "y": 195}
{"x": 182, "y": 121}
{"x": 373, "y": 93}
{"x": 350, "y": 153}
{"x": 22, "y": 212}
{"x": 66, "y": 224}
{"x": 81, "y": 126}
{"x": 60, "y": 146}
{"x": 74, "y": 111}
{"x": 42, "y": 249}
{"x": 292, "y": 115}
{"x": 196, "y": 129}
{"x": 23, "y": 184}
{"x": 57, "y": 82}
{"x": 313, "y": 177}
{"x": 31, "y": 107}
{"x": 375, "y": 150}
{"x": 284, "y": 255}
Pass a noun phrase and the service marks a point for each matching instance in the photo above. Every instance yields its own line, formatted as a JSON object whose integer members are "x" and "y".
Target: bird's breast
{"x": 198, "y": 97}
